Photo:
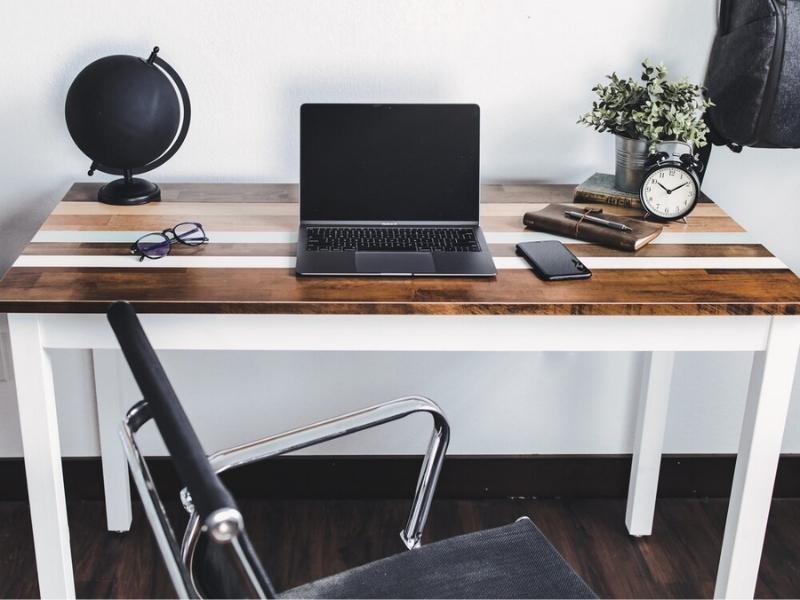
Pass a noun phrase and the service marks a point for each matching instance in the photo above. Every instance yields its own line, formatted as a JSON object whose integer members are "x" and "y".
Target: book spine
{"x": 593, "y": 198}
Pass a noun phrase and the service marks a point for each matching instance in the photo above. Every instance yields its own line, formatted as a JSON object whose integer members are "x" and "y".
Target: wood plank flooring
{"x": 300, "y": 540}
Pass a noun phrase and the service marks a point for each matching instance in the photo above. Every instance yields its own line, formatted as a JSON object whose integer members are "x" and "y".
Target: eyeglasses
{"x": 157, "y": 245}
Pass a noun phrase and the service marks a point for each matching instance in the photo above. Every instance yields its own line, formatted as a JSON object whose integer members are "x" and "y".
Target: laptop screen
{"x": 389, "y": 162}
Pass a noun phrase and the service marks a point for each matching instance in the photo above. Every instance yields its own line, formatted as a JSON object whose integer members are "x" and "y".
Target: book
{"x": 599, "y": 189}
{"x": 552, "y": 219}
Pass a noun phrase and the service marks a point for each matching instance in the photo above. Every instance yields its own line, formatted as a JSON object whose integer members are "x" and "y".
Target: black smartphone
{"x": 552, "y": 261}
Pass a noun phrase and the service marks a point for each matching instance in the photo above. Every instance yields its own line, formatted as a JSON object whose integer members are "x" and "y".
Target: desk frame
{"x": 775, "y": 340}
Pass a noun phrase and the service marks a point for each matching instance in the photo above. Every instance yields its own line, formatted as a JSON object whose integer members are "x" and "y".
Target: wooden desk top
{"x": 79, "y": 261}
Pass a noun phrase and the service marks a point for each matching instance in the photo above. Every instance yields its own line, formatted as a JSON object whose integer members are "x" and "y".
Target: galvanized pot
{"x": 632, "y": 156}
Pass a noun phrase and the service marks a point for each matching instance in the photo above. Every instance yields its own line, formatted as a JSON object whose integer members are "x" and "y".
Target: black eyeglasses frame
{"x": 171, "y": 238}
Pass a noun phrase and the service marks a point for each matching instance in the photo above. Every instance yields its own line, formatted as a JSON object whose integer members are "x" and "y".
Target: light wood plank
{"x": 181, "y": 209}
{"x": 245, "y": 222}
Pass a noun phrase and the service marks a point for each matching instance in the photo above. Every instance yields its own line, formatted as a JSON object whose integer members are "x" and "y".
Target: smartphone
{"x": 552, "y": 261}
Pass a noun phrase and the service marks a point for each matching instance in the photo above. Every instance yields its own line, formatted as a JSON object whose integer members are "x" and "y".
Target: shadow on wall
{"x": 27, "y": 199}
{"x": 20, "y": 221}
{"x": 36, "y": 183}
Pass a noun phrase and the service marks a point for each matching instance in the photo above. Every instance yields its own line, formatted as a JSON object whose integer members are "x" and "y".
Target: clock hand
{"x": 679, "y": 187}
{"x": 663, "y": 188}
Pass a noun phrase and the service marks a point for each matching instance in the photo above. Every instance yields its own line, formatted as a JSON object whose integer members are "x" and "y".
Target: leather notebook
{"x": 551, "y": 219}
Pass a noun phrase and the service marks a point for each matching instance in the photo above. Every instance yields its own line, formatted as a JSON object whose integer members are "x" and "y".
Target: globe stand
{"x": 129, "y": 191}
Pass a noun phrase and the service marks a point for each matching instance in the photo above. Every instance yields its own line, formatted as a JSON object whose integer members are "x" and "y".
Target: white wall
{"x": 248, "y": 66}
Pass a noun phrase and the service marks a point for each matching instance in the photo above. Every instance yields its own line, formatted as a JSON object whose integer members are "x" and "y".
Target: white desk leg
{"x": 39, "y": 427}
{"x": 757, "y": 462}
{"x": 648, "y": 442}
{"x": 110, "y": 412}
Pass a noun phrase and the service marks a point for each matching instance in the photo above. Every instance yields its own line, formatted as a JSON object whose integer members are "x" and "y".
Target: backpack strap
{"x": 724, "y": 10}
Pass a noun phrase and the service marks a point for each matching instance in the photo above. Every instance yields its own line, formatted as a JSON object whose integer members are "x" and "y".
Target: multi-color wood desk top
{"x": 80, "y": 260}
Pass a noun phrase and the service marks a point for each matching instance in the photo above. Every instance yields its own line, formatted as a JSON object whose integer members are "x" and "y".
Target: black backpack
{"x": 753, "y": 75}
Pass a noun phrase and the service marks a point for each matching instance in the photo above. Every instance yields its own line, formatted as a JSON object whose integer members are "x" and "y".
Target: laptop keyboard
{"x": 392, "y": 239}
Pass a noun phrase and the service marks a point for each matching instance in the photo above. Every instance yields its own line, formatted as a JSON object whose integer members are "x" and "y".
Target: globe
{"x": 129, "y": 116}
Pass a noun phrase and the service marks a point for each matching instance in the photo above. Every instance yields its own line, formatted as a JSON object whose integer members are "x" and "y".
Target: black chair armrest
{"x": 190, "y": 460}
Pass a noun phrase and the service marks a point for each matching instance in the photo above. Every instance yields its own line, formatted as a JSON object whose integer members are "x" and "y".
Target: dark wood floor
{"x": 301, "y": 540}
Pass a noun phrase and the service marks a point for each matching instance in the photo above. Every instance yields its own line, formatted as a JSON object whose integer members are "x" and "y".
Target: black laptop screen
{"x": 389, "y": 162}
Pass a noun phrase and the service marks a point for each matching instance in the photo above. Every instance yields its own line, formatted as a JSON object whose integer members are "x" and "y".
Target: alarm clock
{"x": 671, "y": 185}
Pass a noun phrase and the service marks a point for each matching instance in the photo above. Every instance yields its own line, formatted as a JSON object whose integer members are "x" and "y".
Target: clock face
{"x": 669, "y": 192}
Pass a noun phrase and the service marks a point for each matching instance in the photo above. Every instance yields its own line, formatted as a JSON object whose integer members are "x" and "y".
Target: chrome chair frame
{"x": 224, "y": 528}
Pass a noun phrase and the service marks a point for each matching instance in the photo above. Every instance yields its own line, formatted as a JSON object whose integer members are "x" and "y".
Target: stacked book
{"x": 599, "y": 189}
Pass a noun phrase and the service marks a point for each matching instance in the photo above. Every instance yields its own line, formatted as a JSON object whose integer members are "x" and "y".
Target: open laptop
{"x": 390, "y": 189}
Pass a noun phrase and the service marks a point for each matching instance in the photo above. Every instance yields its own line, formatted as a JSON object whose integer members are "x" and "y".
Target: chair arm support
{"x": 324, "y": 431}
{"x": 350, "y": 423}
{"x": 330, "y": 429}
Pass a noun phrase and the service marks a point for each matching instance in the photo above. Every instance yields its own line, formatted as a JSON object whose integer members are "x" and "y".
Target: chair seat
{"x": 514, "y": 561}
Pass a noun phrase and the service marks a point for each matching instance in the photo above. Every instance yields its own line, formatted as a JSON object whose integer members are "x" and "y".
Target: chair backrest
{"x": 236, "y": 571}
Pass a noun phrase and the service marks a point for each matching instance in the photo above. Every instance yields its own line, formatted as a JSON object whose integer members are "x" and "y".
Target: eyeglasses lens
{"x": 190, "y": 233}
{"x": 153, "y": 245}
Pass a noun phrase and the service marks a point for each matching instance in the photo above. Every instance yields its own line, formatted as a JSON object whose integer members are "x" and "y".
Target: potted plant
{"x": 646, "y": 117}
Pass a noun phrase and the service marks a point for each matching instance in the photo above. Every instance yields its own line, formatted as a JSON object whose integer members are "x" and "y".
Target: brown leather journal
{"x": 551, "y": 219}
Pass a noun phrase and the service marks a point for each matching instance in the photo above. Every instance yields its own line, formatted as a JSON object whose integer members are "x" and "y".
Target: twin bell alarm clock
{"x": 671, "y": 185}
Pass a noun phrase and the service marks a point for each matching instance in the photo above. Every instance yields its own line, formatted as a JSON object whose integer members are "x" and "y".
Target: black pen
{"x": 597, "y": 220}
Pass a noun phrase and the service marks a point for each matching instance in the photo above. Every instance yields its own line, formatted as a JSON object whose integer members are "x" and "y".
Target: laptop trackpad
{"x": 395, "y": 263}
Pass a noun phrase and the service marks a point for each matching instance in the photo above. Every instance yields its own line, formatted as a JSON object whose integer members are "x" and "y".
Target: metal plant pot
{"x": 631, "y": 158}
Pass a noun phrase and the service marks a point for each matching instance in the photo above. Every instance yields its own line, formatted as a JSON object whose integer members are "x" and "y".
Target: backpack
{"x": 753, "y": 75}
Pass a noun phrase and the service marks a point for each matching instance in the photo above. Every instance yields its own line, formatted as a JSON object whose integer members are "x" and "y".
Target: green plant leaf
{"x": 655, "y": 109}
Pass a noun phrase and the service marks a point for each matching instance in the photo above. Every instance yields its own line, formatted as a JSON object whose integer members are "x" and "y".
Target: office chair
{"x": 217, "y": 560}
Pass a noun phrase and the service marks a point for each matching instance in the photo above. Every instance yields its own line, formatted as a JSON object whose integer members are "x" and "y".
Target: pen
{"x": 597, "y": 220}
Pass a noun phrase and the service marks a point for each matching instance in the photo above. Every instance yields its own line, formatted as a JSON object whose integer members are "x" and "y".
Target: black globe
{"x": 124, "y": 113}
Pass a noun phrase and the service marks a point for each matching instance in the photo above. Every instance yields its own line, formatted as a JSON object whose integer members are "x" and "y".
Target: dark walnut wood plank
{"x": 289, "y": 249}
{"x": 247, "y": 290}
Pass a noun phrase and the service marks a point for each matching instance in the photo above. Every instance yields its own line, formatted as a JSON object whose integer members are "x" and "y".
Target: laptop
{"x": 391, "y": 189}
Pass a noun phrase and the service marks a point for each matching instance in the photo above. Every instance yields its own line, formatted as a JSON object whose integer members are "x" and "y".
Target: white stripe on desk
{"x": 132, "y": 262}
{"x": 288, "y": 262}
{"x": 128, "y": 237}
{"x": 669, "y": 237}
{"x": 284, "y": 237}
{"x": 662, "y": 262}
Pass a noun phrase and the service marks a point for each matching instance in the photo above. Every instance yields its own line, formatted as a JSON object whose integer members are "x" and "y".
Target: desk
{"x": 704, "y": 285}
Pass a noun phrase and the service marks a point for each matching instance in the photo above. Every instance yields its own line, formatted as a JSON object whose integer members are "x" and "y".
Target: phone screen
{"x": 552, "y": 260}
